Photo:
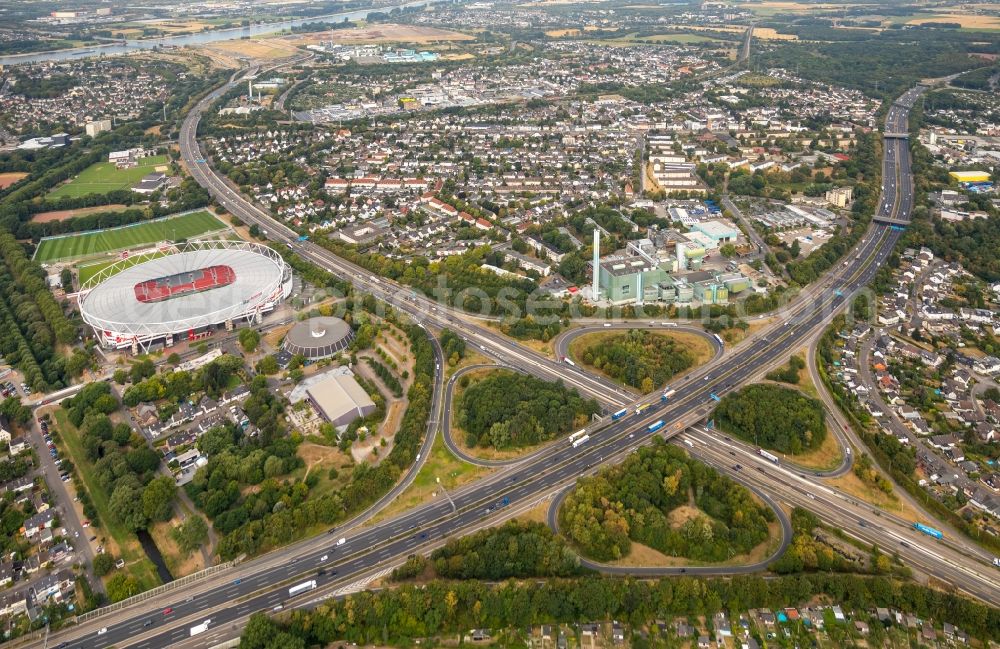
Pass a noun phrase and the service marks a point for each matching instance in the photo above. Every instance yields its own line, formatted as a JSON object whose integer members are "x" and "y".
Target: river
{"x": 201, "y": 38}
{"x": 153, "y": 552}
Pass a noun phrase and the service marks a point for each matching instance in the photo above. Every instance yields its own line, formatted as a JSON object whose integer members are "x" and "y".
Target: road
{"x": 263, "y": 581}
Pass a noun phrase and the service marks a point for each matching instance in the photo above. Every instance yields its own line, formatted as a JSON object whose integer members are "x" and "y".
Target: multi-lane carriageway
{"x": 263, "y": 582}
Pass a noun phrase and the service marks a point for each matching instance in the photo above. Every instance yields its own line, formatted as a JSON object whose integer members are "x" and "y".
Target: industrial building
{"x": 720, "y": 233}
{"x": 339, "y": 399}
{"x": 970, "y": 176}
{"x": 667, "y": 268}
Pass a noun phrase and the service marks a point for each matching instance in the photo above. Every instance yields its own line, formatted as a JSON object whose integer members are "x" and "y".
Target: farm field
{"x": 389, "y": 33}
{"x": 969, "y": 22}
{"x": 61, "y": 215}
{"x": 11, "y": 177}
{"x": 256, "y": 48}
{"x": 103, "y": 177}
{"x": 168, "y": 228}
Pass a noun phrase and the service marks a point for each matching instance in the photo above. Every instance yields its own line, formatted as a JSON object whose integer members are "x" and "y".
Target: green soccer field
{"x": 84, "y": 273}
{"x": 103, "y": 177}
{"x": 170, "y": 228}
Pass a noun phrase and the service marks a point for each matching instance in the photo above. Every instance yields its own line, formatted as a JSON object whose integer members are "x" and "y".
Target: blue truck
{"x": 929, "y": 531}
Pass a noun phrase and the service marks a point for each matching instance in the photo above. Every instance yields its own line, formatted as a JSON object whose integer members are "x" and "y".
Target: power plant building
{"x": 668, "y": 271}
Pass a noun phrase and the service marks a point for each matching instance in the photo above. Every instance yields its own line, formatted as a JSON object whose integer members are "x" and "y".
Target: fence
{"x": 156, "y": 592}
{"x": 24, "y": 639}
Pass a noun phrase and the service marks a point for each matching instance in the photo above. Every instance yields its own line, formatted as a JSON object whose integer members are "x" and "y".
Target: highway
{"x": 261, "y": 583}
{"x": 561, "y": 345}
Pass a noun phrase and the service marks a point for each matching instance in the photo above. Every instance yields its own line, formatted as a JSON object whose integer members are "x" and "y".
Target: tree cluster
{"x": 388, "y": 378}
{"x": 788, "y": 373}
{"x": 515, "y": 549}
{"x": 452, "y": 347}
{"x": 178, "y": 385}
{"x": 279, "y": 510}
{"x": 510, "y": 410}
{"x": 399, "y": 616}
{"x": 124, "y": 467}
{"x": 32, "y": 323}
{"x": 773, "y": 417}
{"x": 634, "y": 501}
{"x": 640, "y": 358}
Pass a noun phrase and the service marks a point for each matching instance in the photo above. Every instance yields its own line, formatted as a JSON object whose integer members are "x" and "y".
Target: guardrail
{"x": 155, "y": 592}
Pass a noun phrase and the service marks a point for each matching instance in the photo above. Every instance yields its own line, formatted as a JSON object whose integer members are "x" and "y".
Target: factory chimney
{"x": 595, "y": 290}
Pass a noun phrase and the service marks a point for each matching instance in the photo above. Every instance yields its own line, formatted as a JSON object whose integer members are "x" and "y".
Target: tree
{"x": 103, "y": 564}
{"x": 191, "y": 534}
{"x": 268, "y": 365}
{"x": 727, "y": 250}
{"x": 126, "y": 504}
{"x": 158, "y": 498}
{"x": 174, "y": 359}
{"x": 142, "y": 369}
{"x": 66, "y": 279}
{"x": 249, "y": 339}
{"x": 121, "y": 586}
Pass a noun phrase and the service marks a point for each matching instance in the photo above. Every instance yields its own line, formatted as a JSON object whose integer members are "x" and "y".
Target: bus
{"x": 669, "y": 392}
{"x": 618, "y": 415}
{"x": 767, "y": 456}
{"x": 656, "y": 425}
{"x": 719, "y": 340}
{"x": 568, "y": 361}
{"x": 577, "y": 434}
{"x": 929, "y": 531}
{"x": 580, "y": 441}
{"x": 301, "y": 588}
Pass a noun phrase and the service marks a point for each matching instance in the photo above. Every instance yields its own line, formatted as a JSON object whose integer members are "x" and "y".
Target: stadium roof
{"x": 112, "y": 305}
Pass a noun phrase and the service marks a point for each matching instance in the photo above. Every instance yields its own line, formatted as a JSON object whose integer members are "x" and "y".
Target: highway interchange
{"x": 262, "y": 584}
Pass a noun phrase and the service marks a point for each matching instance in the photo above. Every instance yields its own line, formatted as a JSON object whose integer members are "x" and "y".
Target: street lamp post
{"x": 446, "y": 494}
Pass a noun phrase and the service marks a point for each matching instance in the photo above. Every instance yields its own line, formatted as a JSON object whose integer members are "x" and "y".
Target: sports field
{"x": 103, "y": 177}
{"x": 170, "y": 228}
{"x": 89, "y": 270}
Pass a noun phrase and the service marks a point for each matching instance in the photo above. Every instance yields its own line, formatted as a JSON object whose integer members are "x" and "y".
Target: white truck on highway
{"x": 301, "y": 588}
{"x": 200, "y": 628}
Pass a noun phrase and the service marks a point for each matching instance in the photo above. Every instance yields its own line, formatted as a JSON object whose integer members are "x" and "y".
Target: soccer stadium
{"x": 187, "y": 294}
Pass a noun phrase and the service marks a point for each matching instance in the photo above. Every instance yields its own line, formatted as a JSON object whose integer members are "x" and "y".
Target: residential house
{"x": 38, "y": 522}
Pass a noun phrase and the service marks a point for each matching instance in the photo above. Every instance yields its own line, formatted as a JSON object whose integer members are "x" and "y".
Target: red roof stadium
{"x": 200, "y": 286}
{"x": 164, "y": 288}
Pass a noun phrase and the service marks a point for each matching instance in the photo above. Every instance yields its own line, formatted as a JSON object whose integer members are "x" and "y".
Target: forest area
{"x": 639, "y": 358}
{"x": 510, "y": 410}
{"x": 400, "y": 616}
{"x": 639, "y": 500}
{"x": 513, "y": 550}
{"x": 773, "y": 417}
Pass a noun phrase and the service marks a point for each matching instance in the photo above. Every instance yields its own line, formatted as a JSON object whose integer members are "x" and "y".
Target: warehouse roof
{"x": 338, "y": 395}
